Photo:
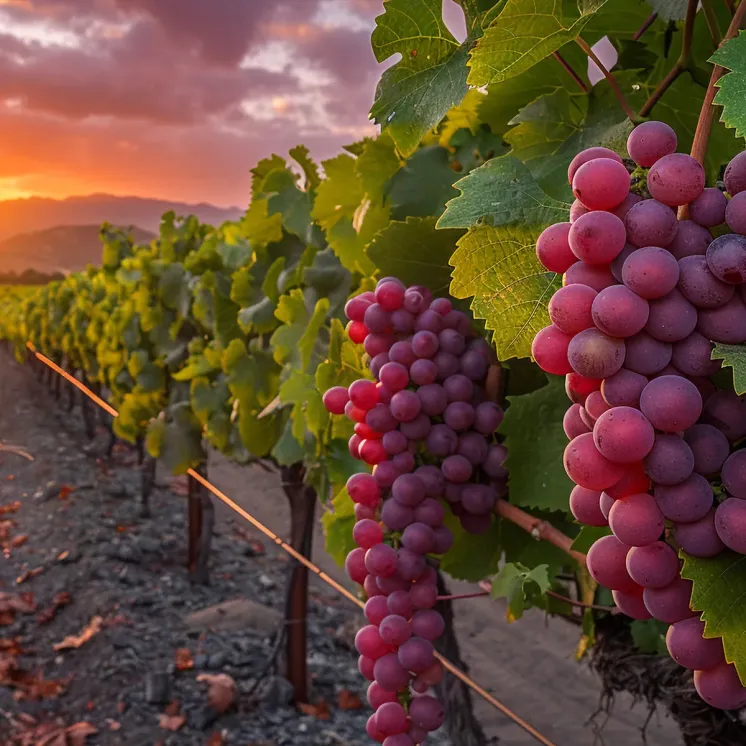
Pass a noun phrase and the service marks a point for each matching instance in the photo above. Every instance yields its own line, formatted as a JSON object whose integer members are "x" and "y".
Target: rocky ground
{"x": 103, "y": 640}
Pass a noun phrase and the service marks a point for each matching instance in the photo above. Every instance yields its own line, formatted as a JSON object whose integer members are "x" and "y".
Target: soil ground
{"x": 129, "y": 572}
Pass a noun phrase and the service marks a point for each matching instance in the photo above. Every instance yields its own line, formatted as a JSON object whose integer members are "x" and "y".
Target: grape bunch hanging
{"x": 427, "y": 427}
{"x": 644, "y": 296}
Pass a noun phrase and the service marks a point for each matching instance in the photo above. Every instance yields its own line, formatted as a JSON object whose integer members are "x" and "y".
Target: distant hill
{"x": 38, "y": 213}
{"x": 66, "y": 248}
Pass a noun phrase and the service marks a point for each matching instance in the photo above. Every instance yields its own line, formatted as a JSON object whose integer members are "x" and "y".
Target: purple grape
{"x": 409, "y": 565}
{"x": 671, "y": 318}
{"x": 401, "y": 352}
{"x": 735, "y": 175}
{"x": 399, "y": 603}
{"x": 425, "y": 344}
{"x": 595, "y": 355}
{"x": 432, "y": 478}
{"x": 389, "y": 673}
{"x": 726, "y": 324}
{"x": 473, "y": 447}
{"x": 409, "y": 490}
{"x": 727, "y": 412}
{"x": 394, "y": 376}
{"x": 396, "y": 516}
{"x": 380, "y": 560}
{"x": 708, "y": 209}
{"x": 419, "y": 538}
{"x": 670, "y": 604}
{"x": 394, "y": 442}
{"x": 458, "y": 388}
{"x": 650, "y": 223}
{"x": 414, "y": 302}
{"x": 451, "y": 341}
{"x": 428, "y": 625}
{"x": 699, "y": 538}
{"x": 670, "y": 461}
{"x": 447, "y": 364}
{"x": 726, "y": 258}
{"x": 473, "y": 365}
{"x": 456, "y": 468}
{"x": 380, "y": 418}
{"x": 443, "y": 539}
{"x": 478, "y": 498}
{"x": 418, "y": 428}
{"x": 402, "y": 321}
{"x": 689, "y": 648}
{"x": 646, "y": 355}
{"x": 433, "y": 399}
{"x": 377, "y": 319}
{"x": 735, "y": 214}
{"x": 734, "y": 474}
{"x": 699, "y": 286}
{"x": 623, "y": 389}
{"x": 442, "y": 441}
{"x": 709, "y": 447}
{"x": 405, "y": 405}
{"x": 671, "y": 403}
{"x": 650, "y": 272}
{"x": 654, "y": 565}
{"x": 423, "y": 372}
{"x": 426, "y": 713}
{"x": 430, "y": 512}
{"x": 691, "y": 240}
{"x": 676, "y": 179}
{"x": 619, "y": 312}
{"x": 394, "y": 629}
{"x": 721, "y": 686}
{"x": 493, "y": 465}
{"x": 685, "y": 502}
{"x": 377, "y": 363}
{"x": 429, "y": 321}
{"x": 459, "y": 416}
{"x": 692, "y": 356}
{"x": 730, "y": 524}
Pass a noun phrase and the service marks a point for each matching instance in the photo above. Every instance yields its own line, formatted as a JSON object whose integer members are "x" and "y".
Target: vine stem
{"x": 682, "y": 63}
{"x": 645, "y": 26}
{"x": 704, "y": 125}
{"x": 460, "y": 596}
{"x": 571, "y": 71}
{"x": 712, "y": 21}
{"x": 612, "y": 80}
{"x": 565, "y": 599}
{"x": 540, "y": 530}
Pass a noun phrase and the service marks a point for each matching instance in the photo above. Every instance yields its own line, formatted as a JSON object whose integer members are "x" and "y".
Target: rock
{"x": 200, "y": 661}
{"x": 129, "y": 553}
{"x": 277, "y": 692}
{"x": 203, "y": 717}
{"x": 216, "y": 661}
{"x": 266, "y": 582}
{"x": 158, "y": 688}
{"x": 236, "y": 615}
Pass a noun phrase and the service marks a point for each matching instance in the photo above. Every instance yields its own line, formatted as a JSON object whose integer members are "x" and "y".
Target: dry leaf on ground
{"x": 222, "y": 690}
{"x": 77, "y": 734}
{"x": 10, "y": 507}
{"x": 348, "y": 700}
{"x": 320, "y": 710}
{"x": 171, "y": 722}
{"x": 75, "y": 641}
{"x": 184, "y": 660}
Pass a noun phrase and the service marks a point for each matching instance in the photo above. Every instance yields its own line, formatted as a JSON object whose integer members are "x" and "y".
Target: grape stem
{"x": 610, "y": 78}
{"x": 580, "y": 604}
{"x": 704, "y": 125}
{"x": 683, "y": 63}
{"x": 730, "y": 6}
{"x": 645, "y": 26}
{"x": 570, "y": 71}
{"x": 460, "y": 596}
{"x": 712, "y": 21}
{"x": 540, "y": 530}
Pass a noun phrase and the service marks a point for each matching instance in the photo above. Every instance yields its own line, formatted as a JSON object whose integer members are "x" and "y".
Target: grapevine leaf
{"x": 339, "y": 463}
{"x": 498, "y": 268}
{"x": 182, "y": 446}
{"x": 377, "y": 163}
{"x": 733, "y": 356}
{"x": 516, "y": 548}
{"x": 301, "y": 155}
{"x": 732, "y": 93}
{"x": 520, "y": 586}
{"x": 525, "y": 32}
{"x": 262, "y": 170}
{"x": 720, "y": 593}
{"x": 338, "y": 523}
{"x": 259, "y": 227}
{"x": 297, "y": 334}
{"x": 670, "y": 10}
{"x": 415, "y": 252}
{"x": 588, "y": 536}
{"x": 258, "y": 435}
{"x": 537, "y": 475}
{"x": 288, "y": 450}
{"x": 415, "y": 93}
{"x": 502, "y": 192}
{"x": 472, "y": 556}
{"x": 463, "y": 116}
{"x": 649, "y": 636}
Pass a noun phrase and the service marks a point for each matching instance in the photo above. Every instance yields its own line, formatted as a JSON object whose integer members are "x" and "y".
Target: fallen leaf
{"x": 65, "y": 491}
{"x": 171, "y": 722}
{"x": 77, "y": 734}
{"x": 90, "y": 705}
{"x": 10, "y": 507}
{"x": 63, "y": 555}
{"x": 184, "y": 660}
{"x": 29, "y": 574}
{"x": 123, "y": 529}
{"x": 121, "y": 707}
{"x": 216, "y": 739}
{"x": 348, "y": 700}
{"x": 18, "y": 541}
{"x": 173, "y": 708}
{"x": 75, "y": 641}
{"x": 47, "y": 615}
{"x": 320, "y": 710}
{"x": 113, "y": 724}
{"x": 221, "y": 693}
{"x": 11, "y": 647}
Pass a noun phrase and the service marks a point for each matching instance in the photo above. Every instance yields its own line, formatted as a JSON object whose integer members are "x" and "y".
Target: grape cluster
{"x": 427, "y": 428}
{"x": 644, "y": 295}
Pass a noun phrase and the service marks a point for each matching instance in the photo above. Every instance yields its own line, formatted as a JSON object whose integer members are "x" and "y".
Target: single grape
{"x": 636, "y": 520}
{"x": 372, "y": 452}
{"x": 394, "y": 442}
{"x": 416, "y": 654}
{"x": 699, "y": 286}
{"x": 725, "y": 324}
{"x": 631, "y": 603}
{"x": 396, "y": 516}
{"x": 686, "y": 502}
{"x": 726, "y": 412}
{"x": 430, "y": 512}
{"x": 389, "y": 673}
{"x": 730, "y": 524}
{"x": 578, "y": 387}
{"x": 570, "y": 308}
{"x": 452, "y": 342}
{"x": 392, "y": 583}
{"x": 633, "y": 481}
{"x": 590, "y": 154}
{"x": 623, "y": 435}
{"x": 442, "y": 306}
{"x": 708, "y": 209}
{"x": 691, "y": 240}
{"x": 493, "y": 465}
{"x": 357, "y": 331}
{"x": 689, "y": 648}
{"x": 473, "y": 447}
{"x": 363, "y": 394}
{"x": 377, "y": 344}
{"x": 595, "y": 405}
{"x": 720, "y": 686}
{"x": 726, "y": 258}
{"x": 692, "y": 356}
{"x": 474, "y": 366}
{"x": 676, "y": 179}
{"x": 459, "y": 416}
{"x": 433, "y": 399}
{"x": 478, "y": 498}
{"x": 355, "y": 307}
{"x": 597, "y": 237}
{"x": 365, "y": 666}
{"x": 735, "y": 175}
{"x": 443, "y": 539}
{"x": 618, "y": 312}
{"x": 376, "y": 609}
{"x": 623, "y": 389}
{"x": 670, "y": 461}
{"x": 650, "y": 141}
{"x": 671, "y": 403}
{"x": 488, "y": 416}
{"x": 671, "y": 318}
{"x": 409, "y": 490}
{"x": 442, "y": 441}
{"x": 734, "y": 474}
{"x": 395, "y": 630}
{"x": 650, "y": 272}
{"x": 429, "y": 321}
{"x": 597, "y": 276}
{"x": 369, "y": 643}
{"x": 362, "y": 489}
{"x": 650, "y": 223}
{"x": 606, "y": 561}
{"x": 432, "y": 478}
{"x": 405, "y": 405}
{"x": 553, "y": 248}
{"x": 394, "y": 376}
{"x": 425, "y": 344}
{"x": 629, "y": 202}
{"x": 573, "y": 424}
{"x": 378, "y": 696}
{"x": 367, "y": 534}
{"x": 584, "y": 505}
{"x": 670, "y": 604}
{"x": 586, "y": 466}
{"x": 456, "y": 468}
{"x": 447, "y": 364}
{"x": 654, "y": 565}
{"x": 587, "y": 419}
{"x": 594, "y": 354}
{"x": 390, "y": 295}
{"x": 601, "y": 183}
{"x": 617, "y": 265}
{"x": 428, "y": 625}
{"x": 423, "y": 372}
{"x": 700, "y": 538}
{"x": 418, "y": 537}
{"x": 709, "y": 447}
{"x": 577, "y": 208}
{"x": 380, "y": 560}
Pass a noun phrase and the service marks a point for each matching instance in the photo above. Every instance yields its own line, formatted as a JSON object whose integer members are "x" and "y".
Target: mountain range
{"x": 51, "y": 235}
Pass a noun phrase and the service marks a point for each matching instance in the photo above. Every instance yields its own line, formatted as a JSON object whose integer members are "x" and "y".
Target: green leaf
{"x": 525, "y": 32}
{"x": 720, "y": 593}
{"x": 536, "y": 443}
{"x": 732, "y": 86}
{"x": 733, "y": 356}
{"x": 521, "y": 587}
{"x": 497, "y": 266}
{"x": 288, "y": 450}
{"x": 516, "y": 547}
{"x": 588, "y": 536}
{"x": 415, "y": 93}
{"x": 502, "y": 192}
{"x": 473, "y": 557}
{"x": 259, "y": 227}
{"x": 669, "y": 10}
{"x": 416, "y": 253}
{"x": 182, "y": 446}
{"x": 301, "y": 155}
{"x": 377, "y": 163}
{"x": 338, "y": 523}
{"x": 649, "y": 636}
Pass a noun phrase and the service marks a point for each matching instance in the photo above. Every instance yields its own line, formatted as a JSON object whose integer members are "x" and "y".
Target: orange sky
{"x": 177, "y": 99}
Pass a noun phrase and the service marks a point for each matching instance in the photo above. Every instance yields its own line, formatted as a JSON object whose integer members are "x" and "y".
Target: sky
{"x": 178, "y": 99}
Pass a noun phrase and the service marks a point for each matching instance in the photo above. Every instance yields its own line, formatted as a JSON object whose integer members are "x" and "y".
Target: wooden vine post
{"x": 201, "y": 518}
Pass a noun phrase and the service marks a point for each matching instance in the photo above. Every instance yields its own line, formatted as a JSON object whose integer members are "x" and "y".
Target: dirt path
{"x": 528, "y": 665}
